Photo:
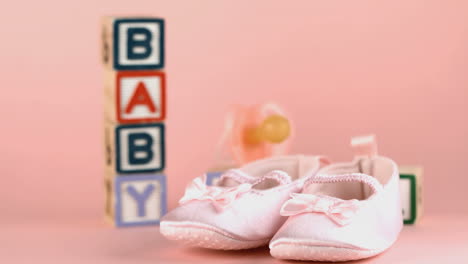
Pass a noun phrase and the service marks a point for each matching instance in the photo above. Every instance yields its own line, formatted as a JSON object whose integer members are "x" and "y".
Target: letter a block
{"x": 135, "y": 96}
{"x": 133, "y": 43}
{"x": 134, "y": 148}
{"x": 138, "y": 199}
{"x": 410, "y": 191}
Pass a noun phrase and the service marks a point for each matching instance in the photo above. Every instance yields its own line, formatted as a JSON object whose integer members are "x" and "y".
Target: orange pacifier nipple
{"x": 274, "y": 129}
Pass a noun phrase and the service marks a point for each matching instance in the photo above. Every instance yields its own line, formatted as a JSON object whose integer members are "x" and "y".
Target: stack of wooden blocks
{"x": 133, "y": 57}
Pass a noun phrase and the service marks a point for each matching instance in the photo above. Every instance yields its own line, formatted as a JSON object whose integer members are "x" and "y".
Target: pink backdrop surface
{"x": 341, "y": 68}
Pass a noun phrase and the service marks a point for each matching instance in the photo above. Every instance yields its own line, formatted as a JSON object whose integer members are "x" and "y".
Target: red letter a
{"x": 140, "y": 97}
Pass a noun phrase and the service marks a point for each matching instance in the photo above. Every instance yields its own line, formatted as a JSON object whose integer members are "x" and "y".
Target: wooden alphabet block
{"x": 134, "y": 148}
{"x": 135, "y": 96}
{"x": 411, "y": 193}
{"x": 136, "y": 199}
{"x": 212, "y": 177}
{"x": 133, "y": 43}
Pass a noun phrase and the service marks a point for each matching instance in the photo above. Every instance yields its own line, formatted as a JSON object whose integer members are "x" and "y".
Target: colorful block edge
{"x": 412, "y": 179}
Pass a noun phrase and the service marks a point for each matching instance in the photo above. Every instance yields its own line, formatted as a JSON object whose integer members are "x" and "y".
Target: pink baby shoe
{"x": 242, "y": 210}
{"x": 348, "y": 211}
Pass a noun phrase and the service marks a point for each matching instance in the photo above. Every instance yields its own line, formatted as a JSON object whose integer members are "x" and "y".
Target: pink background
{"x": 341, "y": 68}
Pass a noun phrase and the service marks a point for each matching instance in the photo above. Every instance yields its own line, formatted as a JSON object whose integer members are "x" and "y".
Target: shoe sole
{"x": 205, "y": 236}
{"x": 320, "y": 253}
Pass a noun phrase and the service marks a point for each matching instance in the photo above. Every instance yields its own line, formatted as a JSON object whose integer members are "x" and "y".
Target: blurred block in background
{"x": 411, "y": 193}
{"x": 212, "y": 177}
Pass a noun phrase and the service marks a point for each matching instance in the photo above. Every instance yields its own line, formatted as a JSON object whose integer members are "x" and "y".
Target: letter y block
{"x": 137, "y": 200}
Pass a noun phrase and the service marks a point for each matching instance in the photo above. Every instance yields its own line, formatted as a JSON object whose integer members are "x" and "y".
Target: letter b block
{"x": 136, "y": 148}
{"x": 140, "y": 148}
{"x": 133, "y": 43}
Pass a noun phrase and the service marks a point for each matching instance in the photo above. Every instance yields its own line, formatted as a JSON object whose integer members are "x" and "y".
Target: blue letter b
{"x": 133, "y": 43}
{"x": 136, "y": 148}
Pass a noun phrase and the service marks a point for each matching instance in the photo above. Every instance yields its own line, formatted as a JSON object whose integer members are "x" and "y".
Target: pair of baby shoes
{"x": 304, "y": 207}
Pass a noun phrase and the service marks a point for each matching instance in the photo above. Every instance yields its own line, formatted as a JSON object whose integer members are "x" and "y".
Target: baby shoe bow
{"x": 220, "y": 197}
{"x": 340, "y": 211}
